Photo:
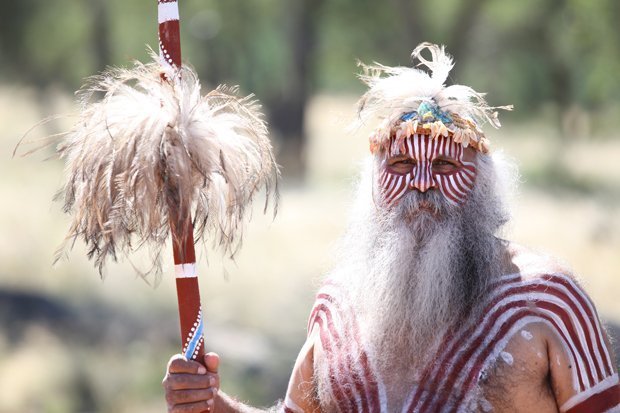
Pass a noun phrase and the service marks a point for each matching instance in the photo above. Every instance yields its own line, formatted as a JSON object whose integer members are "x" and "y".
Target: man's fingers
{"x": 212, "y": 361}
{"x": 179, "y": 364}
{"x": 198, "y": 407}
{"x": 183, "y": 381}
{"x": 191, "y": 396}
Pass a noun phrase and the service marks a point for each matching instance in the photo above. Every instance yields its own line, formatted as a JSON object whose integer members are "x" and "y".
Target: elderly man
{"x": 428, "y": 310}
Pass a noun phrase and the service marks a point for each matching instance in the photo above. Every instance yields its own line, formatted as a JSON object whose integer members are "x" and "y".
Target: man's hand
{"x": 189, "y": 386}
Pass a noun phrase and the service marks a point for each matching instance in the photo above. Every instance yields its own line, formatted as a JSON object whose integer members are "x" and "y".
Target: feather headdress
{"x": 149, "y": 148}
{"x": 411, "y": 101}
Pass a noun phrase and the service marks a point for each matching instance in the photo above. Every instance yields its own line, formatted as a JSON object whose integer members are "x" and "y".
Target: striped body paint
{"x": 355, "y": 384}
{"x": 169, "y": 34}
{"x": 424, "y": 174}
{"x": 450, "y": 383}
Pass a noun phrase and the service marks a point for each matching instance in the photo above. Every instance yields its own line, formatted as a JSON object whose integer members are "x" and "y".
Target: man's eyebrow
{"x": 399, "y": 156}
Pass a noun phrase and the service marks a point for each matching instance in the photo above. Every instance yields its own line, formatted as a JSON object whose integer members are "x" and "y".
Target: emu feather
{"x": 393, "y": 91}
{"x": 146, "y": 150}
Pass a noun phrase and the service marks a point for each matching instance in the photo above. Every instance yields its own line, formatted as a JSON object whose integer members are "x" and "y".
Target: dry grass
{"x": 256, "y": 316}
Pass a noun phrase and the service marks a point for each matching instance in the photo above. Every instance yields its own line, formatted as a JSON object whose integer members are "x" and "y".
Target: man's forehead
{"x": 400, "y": 149}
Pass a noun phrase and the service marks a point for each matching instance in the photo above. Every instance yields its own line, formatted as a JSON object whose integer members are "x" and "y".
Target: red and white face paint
{"x": 421, "y": 163}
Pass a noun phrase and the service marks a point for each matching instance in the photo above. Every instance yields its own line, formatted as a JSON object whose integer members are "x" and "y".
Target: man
{"x": 428, "y": 310}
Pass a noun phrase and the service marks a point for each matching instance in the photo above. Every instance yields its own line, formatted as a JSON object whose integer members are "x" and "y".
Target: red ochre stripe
{"x": 368, "y": 375}
{"x": 468, "y": 177}
{"x": 477, "y": 366}
{"x": 546, "y": 315}
{"x": 347, "y": 368}
{"x": 509, "y": 292}
{"x": 460, "y": 390}
{"x": 370, "y": 388}
{"x": 464, "y": 184}
{"x": 574, "y": 337}
{"x": 342, "y": 392}
{"x": 589, "y": 324}
{"x": 398, "y": 186}
{"x": 391, "y": 183}
{"x": 341, "y": 400}
{"x": 469, "y": 168}
{"x": 457, "y": 366}
{"x": 384, "y": 177}
{"x": 454, "y": 185}
{"x": 446, "y": 189}
{"x": 599, "y": 402}
{"x": 370, "y": 378}
{"x": 569, "y": 326}
{"x": 453, "y": 371}
{"x": 587, "y": 333}
{"x": 448, "y": 348}
{"x": 590, "y": 313}
{"x": 409, "y": 146}
{"x": 453, "y": 348}
{"x": 329, "y": 334}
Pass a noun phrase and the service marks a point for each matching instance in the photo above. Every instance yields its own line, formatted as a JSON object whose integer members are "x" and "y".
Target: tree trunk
{"x": 288, "y": 113}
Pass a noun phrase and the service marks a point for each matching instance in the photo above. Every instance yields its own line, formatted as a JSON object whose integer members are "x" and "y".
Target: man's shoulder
{"x": 533, "y": 264}
{"x": 541, "y": 279}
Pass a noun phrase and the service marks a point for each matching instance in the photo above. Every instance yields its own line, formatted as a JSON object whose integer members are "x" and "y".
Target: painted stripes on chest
{"x": 353, "y": 382}
{"x": 559, "y": 303}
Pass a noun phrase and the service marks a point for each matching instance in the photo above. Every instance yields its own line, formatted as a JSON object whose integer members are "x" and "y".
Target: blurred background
{"x": 70, "y": 342}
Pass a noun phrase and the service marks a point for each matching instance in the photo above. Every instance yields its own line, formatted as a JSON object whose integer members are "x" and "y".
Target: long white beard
{"x": 413, "y": 273}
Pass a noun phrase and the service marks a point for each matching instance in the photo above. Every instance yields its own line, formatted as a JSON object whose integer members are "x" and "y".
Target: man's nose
{"x": 422, "y": 179}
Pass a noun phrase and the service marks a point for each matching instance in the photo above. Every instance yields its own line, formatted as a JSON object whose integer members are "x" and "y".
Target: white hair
{"x": 411, "y": 273}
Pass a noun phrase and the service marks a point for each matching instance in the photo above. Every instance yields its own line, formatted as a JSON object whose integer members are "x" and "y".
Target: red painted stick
{"x": 188, "y": 292}
{"x": 182, "y": 231}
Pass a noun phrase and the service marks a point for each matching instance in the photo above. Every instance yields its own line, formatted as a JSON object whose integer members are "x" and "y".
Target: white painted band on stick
{"x": 185, "y": 270}
{"x": 167, "y": 12}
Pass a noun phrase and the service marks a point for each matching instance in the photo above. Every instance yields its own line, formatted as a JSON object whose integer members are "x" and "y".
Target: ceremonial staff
{"x": 151, "y": 156}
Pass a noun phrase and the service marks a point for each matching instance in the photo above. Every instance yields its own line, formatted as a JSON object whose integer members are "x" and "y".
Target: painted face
{"x": 423, "y": 163}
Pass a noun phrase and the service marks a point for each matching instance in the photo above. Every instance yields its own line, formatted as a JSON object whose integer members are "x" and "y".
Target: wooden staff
{"x": 151, "y": 158}
{"x": 181, "y": 228}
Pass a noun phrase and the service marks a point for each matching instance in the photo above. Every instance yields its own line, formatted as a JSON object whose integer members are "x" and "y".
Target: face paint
{"x": 419, "y": 162}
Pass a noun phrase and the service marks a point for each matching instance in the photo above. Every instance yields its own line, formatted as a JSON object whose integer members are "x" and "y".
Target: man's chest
{"x": 516, "y": 380}
{"x": 494, "y": 361}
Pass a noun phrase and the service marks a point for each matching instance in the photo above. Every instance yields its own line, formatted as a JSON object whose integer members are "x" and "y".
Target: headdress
{"x": 410, "y": 101}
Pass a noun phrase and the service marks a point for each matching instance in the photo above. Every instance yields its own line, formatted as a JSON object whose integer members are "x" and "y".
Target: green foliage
{"x": 528, "y": 53}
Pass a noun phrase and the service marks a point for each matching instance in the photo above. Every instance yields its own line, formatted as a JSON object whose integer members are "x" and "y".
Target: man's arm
{"x": 583, "y": 367}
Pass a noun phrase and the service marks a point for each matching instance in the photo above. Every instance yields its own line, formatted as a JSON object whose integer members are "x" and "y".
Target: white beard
{"x": 412, "y": 274}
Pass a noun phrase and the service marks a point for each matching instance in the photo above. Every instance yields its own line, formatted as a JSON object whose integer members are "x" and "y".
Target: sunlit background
{"x": 70, "y": 342}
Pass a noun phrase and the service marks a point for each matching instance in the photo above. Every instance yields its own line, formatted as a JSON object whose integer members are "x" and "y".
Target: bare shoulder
{"x": 532, "y": 263}
{"x": 582, "y": 369}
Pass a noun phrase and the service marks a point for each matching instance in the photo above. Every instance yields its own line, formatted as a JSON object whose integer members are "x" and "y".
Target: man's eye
{"x": 401, "y": 165}
{"x": 444, "y": 166}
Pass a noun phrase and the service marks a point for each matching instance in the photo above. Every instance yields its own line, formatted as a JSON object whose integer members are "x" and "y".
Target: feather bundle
{"x": 146, "y": 151}
{"x": 395, "y": 91}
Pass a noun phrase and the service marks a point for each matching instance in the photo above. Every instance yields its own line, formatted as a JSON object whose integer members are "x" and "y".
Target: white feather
{"x": 148, "y": 146}
{"x": 393, "y": 91}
